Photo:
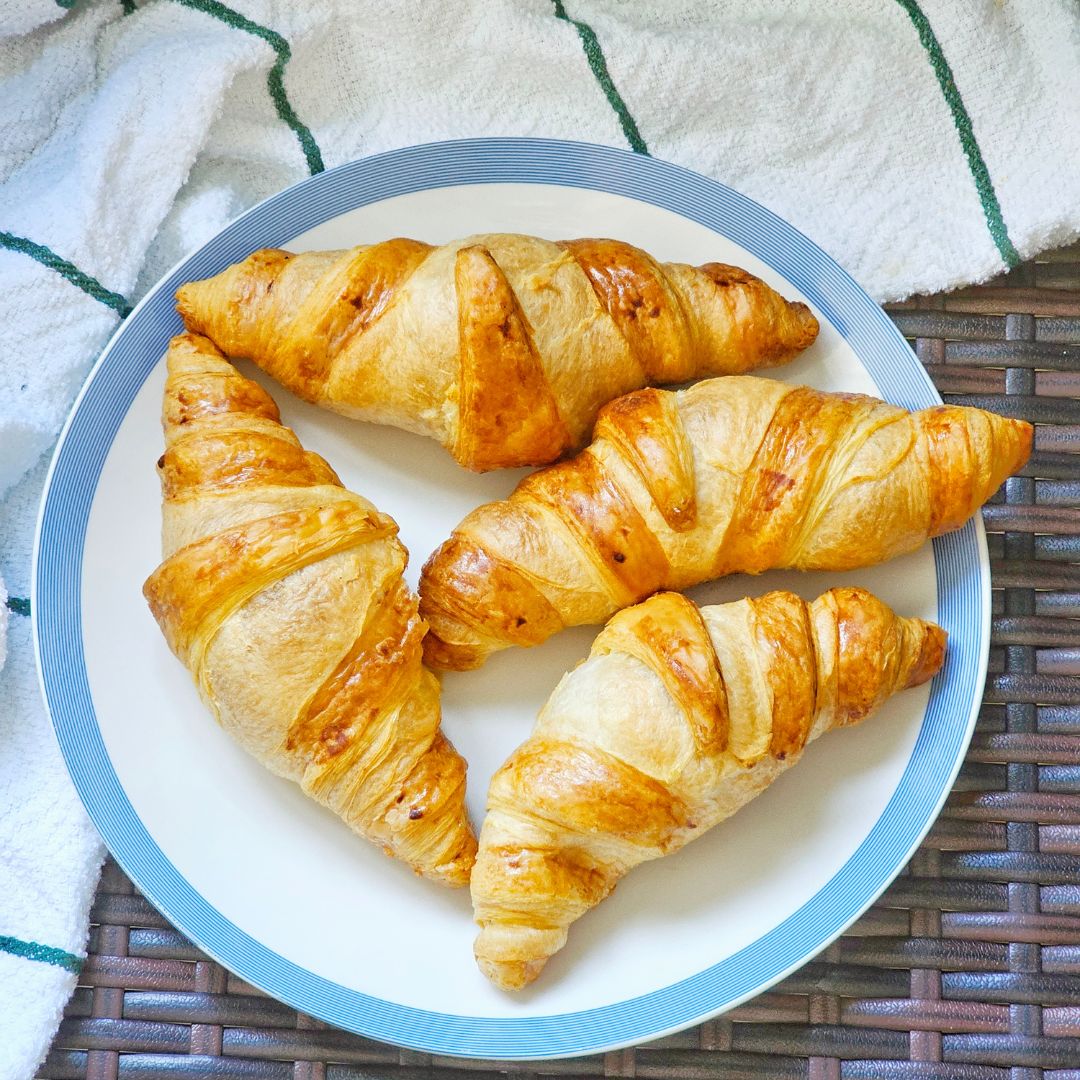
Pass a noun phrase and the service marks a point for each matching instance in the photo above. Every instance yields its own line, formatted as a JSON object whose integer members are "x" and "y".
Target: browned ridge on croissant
{"x": 502, "y": 347}
{"x": 678, "y": 718}
{"x": 736, "y": 475}
{"x": 282, "y": 592}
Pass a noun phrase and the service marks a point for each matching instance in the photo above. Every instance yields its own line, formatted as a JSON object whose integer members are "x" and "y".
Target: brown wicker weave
{"x": 969, "y": 966}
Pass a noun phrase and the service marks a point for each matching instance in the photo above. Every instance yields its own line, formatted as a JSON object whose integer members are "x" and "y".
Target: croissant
{"x": 678, "y": 718}
{"x": 282, "y": 592}
{"x": 730, "y": 475}
{"x": 501, "y": 347}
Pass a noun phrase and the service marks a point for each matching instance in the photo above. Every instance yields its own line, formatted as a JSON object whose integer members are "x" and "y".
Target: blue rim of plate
{"x": 961, "y": 568}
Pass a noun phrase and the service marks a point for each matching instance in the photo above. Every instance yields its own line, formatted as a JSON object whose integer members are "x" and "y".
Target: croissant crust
{"x": 501, "y": 347}
{"x": 678, "y": 718}
{"x": 736, "y": 475}
{"x": 282, "y": 592}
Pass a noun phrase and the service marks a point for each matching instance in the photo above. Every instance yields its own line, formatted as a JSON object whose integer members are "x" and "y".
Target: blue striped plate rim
{"x": 961, "y": 568}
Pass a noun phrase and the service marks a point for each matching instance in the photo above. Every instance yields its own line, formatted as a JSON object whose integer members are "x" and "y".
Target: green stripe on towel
{"x": 45, "y": 954}
{"x": 89, "y": 285}
{"x": 979, "y": 172}
{"x": 275, "y": 81}
{"x": 595, "y": 56}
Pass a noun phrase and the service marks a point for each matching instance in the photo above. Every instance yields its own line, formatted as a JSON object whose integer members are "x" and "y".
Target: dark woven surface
{"x": 969, "y": 966}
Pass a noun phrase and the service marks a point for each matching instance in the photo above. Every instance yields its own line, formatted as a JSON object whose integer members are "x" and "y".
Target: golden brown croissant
{"x": 282, "y": 592}
{"x": 678, "y": 718}
{"x": 502, "y": 347}
{"x": 731, "y": 475}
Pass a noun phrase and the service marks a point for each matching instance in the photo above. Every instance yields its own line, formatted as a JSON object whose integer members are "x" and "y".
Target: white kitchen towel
{"x": 923, "y": 143}
{"x": 49, "y": 851}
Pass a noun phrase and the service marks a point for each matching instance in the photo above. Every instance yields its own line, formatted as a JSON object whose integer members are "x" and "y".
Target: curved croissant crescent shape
{"x": 678, "y": 718}
{"x": 736, "y": 475}
{"x": 282, "y": 592}
{"x": 501, "y": 347}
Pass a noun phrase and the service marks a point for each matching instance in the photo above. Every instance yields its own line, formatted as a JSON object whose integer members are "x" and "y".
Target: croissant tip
{"x": 190, "y": 353}
{"x": 455, "y": 872}
{"x": 807, "y": 325}
{"x": 453, "y": 876}
{"x": 797, "y": 330}
{"x": 194, "y": 341}
{"x": 931, "y": 654}
{"x": 1025, "y": 437}
{"x": 187, "y": 305}
{"x": 511, "y": 975}
{"x": 1013, "y": 443}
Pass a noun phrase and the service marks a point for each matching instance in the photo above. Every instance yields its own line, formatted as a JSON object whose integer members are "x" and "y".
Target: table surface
{"x": 968, "y": 968}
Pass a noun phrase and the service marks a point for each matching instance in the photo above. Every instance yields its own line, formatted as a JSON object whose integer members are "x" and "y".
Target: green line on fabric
{"x": 67, "y": 5}
{"x": 275, "y": 81}
{"x": 89, "y": 285}
{"x": 45, "y": 954}
{"x": 18, "y": 605}
{"x": 979, "y": 172}
{"x": 595, "y": 55}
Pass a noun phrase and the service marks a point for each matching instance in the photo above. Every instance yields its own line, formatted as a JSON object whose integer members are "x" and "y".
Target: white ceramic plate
{"x": 277, "y": 888}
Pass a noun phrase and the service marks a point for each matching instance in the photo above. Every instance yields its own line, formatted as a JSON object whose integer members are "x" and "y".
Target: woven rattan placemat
{"x": 968, "y": 968}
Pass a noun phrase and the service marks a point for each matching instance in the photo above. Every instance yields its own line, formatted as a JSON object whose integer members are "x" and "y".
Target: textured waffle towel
{"x": 923, "y": 144}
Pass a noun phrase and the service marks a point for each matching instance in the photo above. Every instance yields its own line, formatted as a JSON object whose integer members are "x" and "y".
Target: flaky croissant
{"x": 282, "y": 592}
{"x": 678, "y": 718}
{"x": 731, "y": 475}
{"x": 501, "y": 347}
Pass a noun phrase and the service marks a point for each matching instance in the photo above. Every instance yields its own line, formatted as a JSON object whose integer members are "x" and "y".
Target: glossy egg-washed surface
{"x": 735, "y": 475}
{"x": 282, "y": 592}
{"x": 679, "y": 717}
{"x": 503, "y": 347}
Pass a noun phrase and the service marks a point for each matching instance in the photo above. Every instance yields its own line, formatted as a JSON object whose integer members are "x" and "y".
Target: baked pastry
{"x": 282, "y": 592}
{"x": 501, "y": 347}
{"x": 678, "y": 718}
{"x": 731, "y": 475}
